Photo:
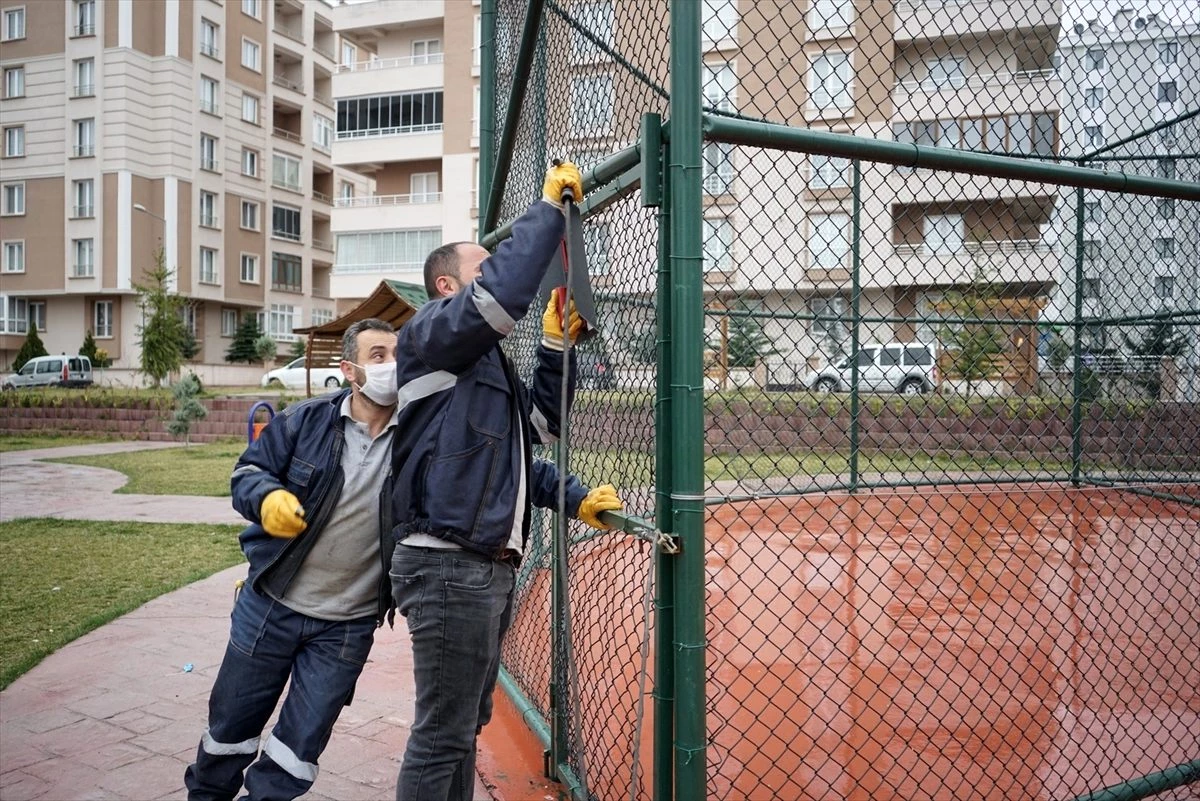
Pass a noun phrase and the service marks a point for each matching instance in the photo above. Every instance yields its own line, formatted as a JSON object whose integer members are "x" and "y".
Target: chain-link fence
{"x": 936, "y": 378}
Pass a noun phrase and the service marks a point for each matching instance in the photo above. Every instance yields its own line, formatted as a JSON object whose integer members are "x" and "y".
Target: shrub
{"x": 187, "y": 408}
{"x": 30, "y": 348}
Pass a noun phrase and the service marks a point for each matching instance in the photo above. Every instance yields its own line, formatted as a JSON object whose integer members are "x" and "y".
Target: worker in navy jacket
{"x": 466, "y": 479}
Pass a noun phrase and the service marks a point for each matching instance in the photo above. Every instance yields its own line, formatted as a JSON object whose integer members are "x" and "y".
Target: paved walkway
{"x": 117, "y": 714}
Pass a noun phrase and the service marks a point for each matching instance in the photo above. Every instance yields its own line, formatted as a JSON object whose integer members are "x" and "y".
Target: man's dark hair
{"x": 350, "y": 338}
{"x": 443, "y": 261}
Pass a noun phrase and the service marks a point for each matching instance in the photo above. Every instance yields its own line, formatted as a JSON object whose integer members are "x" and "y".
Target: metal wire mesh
{"x": 951, "y": 420}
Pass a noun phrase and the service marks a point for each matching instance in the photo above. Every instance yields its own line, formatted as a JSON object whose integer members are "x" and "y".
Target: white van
{"x": 52, "y": 371}
{"x": 909, "y": 368}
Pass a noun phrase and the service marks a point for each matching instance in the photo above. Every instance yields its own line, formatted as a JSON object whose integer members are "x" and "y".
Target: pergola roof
{"x": 394, "y": 302}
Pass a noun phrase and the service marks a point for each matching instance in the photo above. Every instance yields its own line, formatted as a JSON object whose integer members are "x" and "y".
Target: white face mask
{"x": 380, "y": 386}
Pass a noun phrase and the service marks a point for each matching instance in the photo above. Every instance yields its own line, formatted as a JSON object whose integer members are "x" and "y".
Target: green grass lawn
{"x": 194, "y": 470}
{"x": 22, "y": 442}
{"x": 59, "y": 579}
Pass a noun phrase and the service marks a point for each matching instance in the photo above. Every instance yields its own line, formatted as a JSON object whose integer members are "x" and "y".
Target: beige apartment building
{"x": 204, "y": 127}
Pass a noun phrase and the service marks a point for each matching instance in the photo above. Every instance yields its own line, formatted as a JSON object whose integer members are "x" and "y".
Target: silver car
{"x": 909, "y": 368}
{"x": 52, "y": 371}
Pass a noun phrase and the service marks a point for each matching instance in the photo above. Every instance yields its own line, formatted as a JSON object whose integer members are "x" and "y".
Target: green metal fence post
{"x": 487, "y": 105}
{"x": 1077, "y": 348}
{"x": 687, "y": 399}
{"x": 855, "y": 313}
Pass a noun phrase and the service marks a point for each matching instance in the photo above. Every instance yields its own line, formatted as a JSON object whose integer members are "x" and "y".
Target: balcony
{"x": 83, "y": 151}
{"x": 1030, "y": 261}
{"x": 85, "y": 29}
{"x": 388, "y": 75}
{"x": 211, "y": 50}
{"x": 380, "y": 212}
{"x": 925, "y": 20}
{"x": 913, "y": 186}
{"x": 290, "y": 136}
{"x": 209, "y": 221}
{"x": 84, "y": 90}
{"x": 83, "y": 212}
{"x": 979, "y": 94}
{"x": 210, "y": 107}
{"x": 396, "y": 14}
{"x": 382, "y": 145}
{"x": 284, "y": 82}
{"x": 289, "y": 27}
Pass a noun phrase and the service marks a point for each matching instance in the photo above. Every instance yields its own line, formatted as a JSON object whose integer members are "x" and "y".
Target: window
{"x": 717, "y": 238}
{"x": 1167, "y": 92}
{"x": 1093, "y": 135}
{"x": 251, "y": 8}
{"x": 1164, "y": 247}
{"x": 1164, "y": 287}
{"x": 14, "y": 23}
{"x": 85, "y": 18}
{"x": 208, "y": 152}
{"x": 423, "y": 187}
{"x": 208, "y": 266}
{"x": 829, "y": 171}
{"x": 1020, "y": 133}
{"x": 1165, "y": 169}
{"x": 85, "y": 138}
{"x": 285, "y": 172}
{"x": 427, "y": 51}
{"x": 208, "y": 209}
{"x": 1165, "y": 208}
{"x": 84, "y": 265}
{"x": 322, "y": 316}
{"x": 1045, "y": 134}
{"x": 249, "y": 163}
{"x": 350, "y": 53}
{"x": 1093, "y": 97}
{"x": 1094, "y": 60}
{"x": 85, "y": 77}
{"x": 85, "y": 198}
{"x": 718, "y": 20}
{"x": 187, "y": 314}
{"x": 14, "y": 141}
{"x": 285, "y": 222}
{"x": 943, "y": 233}
{"x": 250, "y": 109}
{"x": 718, "y": 167}
{"x": 1091, "y": 250}
{"x": 14, "y": 82}
{"x": 1091, "y": 288}
{"x": 830, "y": 241}
{"x": 973, "y": 134}
{"x": 385, "y": 251}
{"x": 14, "y": 257}
{"x": 595, "y": 247}
{"x": 249, "y": 215}
{"x": 210, "y": 96}
{"x": 1168, "y": 52}
{"x": 829, "y": 82}
{"x": 597, "y": 19}
{"x": 229, "y": 322}
{"x": 1091, "y": 211}
{"x": 591, "y": 104}
{"x": 949, "y": 134}
{"x": 389, "y": 115}
{"x": 37, "y": 315}
{"x": 830, "y": 14}
{"x": 281, "y": 321}
{"x": 286, "y": 273}
{"x": 210, "y": 37}
{"x": 102, "y": 319}
{"x": 249, "y": 269}
{"x": 476, "y": 49}
{"x": 718, "y": 87}
{"x": 346, "y": 190}
{"x": 946, "y": 71}
{"x": 322, "y": 132}
{"x": 829, "y": 326}
{"x": 1166, "y": 136}
{"x": 14, "y": 315}
{"x": 251, "y": 55}
{"x": 475, "y": 114}
{"x": 13, "y": 199}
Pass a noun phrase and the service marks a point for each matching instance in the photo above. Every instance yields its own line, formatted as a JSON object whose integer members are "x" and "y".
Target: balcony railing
{"x": 289, "y": 32}
{"x": 391, "y": 63}
{"x": 291, "y": 236}
{"x": 984, "y": 248}
{"x": 398, "y": 131}
{"x": 84, "y": 151}
{"x": 212, "y": 165}
{"x": 208, "y": 220}
{"x": 321, "y": 146}
{"x": 371, "y": 201}
{"x": 86, "y": 29}
{"x": 210, "y": 107}
{"x": 80, "y": 212}
{"x": 388, "y": 267}
{"x": 84, "y": 90}
{"x": 83, "y": 270}
{"x": 321, "y": 196}
{"x": 324, "y": 100}
{"x": 322, "y": 244}
{"x": 283, "y": 183}
{"x": 291, "y": 136}
{"x": 288, "y": 83}
{"x": 210, "y": 49}
{"x": 324, "y": 50}
{"x": 979, "y": 80}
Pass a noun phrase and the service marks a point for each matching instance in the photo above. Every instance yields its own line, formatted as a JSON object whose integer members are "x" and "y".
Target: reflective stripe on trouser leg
{"x": 286, "y": 758}
{"x": 216, "y": 748}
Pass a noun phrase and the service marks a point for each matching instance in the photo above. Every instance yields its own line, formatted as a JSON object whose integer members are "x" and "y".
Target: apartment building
{"x": 407, "y": 94}
{"x": 1122, "y": 75}
{"x": 202, "y": 127}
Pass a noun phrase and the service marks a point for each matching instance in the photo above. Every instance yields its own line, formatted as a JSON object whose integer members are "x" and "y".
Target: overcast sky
{"x": 1175, "y": 12}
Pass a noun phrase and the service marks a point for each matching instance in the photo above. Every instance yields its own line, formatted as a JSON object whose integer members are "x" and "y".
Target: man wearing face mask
{"x": 315, "y": 487}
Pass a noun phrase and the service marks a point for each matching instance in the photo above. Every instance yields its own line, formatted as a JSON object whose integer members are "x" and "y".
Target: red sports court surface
{"x": 992, "y": 642}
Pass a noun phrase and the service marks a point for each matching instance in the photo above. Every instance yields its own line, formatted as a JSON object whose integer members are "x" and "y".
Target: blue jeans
{"x": 268, "y": 643}
{"x": 458, "y": 606}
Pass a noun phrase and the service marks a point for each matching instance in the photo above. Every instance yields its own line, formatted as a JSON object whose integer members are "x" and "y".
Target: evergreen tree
{"x": 973, "y": 344}
{"x": 189, "y": 347}
{"x": 187, "y": 408}
{"x": 265, "y": 348}
{"x": 30, "y": 348}
{"x": 747, "y": 341}
{"x": 162, "y": 332}
{"x": 242, "y": 347}
{"x": 1160, "y": 340}
{"x": 299, "y": 349}
{"x": 88, "y": 348}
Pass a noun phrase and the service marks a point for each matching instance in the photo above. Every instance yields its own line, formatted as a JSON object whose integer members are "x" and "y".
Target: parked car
{"x": 595, "y": 370}
{"x": 52, "y": 371}
{"x": 291, "y": 376}
{"x": 909, "y": 368}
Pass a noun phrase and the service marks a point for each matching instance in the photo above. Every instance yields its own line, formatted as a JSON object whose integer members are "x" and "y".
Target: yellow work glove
{"x": 559, "y": 179}
{"x": 552, "y": 327}
{"x": 282, "y": 515}
{"x": 601, "y": 499}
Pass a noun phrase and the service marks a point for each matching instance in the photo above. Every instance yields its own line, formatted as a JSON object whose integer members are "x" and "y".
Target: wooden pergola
{"x": 394, "y": 302}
